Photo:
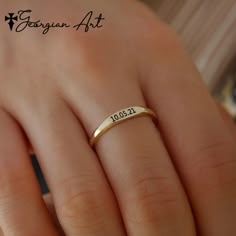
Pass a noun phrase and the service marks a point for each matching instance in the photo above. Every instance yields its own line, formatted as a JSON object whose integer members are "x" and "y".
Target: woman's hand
{"x": 174, "y": 178}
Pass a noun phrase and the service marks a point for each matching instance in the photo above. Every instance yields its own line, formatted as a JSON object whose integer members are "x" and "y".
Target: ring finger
{"x": 151, "y": 198}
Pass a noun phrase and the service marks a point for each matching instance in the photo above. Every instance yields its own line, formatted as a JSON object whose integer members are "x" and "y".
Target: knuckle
{"x": 12, "y": 182}
{"x": 214, "y": 165}
{"x": 85, "y": 55}
{"x": 81, "y": 204}
{"x": 152, "y": 197}
{"x": 87, "y": 50}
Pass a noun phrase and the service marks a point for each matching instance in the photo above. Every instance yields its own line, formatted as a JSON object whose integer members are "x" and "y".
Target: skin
{"x": 173, "y": 177}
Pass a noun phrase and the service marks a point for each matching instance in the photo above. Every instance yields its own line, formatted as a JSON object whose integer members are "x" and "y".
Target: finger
{"x": 194, "y": 133}
{"x": 50, "y": 205}
{"x": 150, "y": 197}
{"x": 82, "y": 197}
{"x": 20, "y": 196}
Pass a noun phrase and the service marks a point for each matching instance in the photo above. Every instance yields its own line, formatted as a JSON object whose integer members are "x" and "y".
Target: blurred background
{"x": 208, "y": 29}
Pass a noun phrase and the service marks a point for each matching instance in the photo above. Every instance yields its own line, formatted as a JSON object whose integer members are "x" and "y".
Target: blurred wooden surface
{"x": 208, "y": 29}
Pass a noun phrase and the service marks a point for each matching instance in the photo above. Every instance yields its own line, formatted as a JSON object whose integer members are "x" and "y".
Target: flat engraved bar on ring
{"x": 118, "y": 117}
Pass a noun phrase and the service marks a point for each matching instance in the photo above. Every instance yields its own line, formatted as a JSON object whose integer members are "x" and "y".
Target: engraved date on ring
{"x": 123, "y": 114}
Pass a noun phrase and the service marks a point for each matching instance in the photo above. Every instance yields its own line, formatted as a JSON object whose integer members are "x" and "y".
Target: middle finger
{"x": 83, "y": 200}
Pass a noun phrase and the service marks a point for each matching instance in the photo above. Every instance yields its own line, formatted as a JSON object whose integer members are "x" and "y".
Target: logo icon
{"x": 11, "y": 18}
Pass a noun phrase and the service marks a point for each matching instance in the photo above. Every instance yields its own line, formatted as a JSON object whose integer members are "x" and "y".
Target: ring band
{"x": 118, "y": 117}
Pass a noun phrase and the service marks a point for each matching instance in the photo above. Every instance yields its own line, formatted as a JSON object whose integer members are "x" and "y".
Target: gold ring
{"x": 118, "y": 117}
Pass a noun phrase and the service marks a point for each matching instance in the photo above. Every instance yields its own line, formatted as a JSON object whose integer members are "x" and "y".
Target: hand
{"x": 174, "y": 178}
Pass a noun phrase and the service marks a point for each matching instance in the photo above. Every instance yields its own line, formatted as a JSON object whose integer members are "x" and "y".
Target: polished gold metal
{"x": 118, "y": 117}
